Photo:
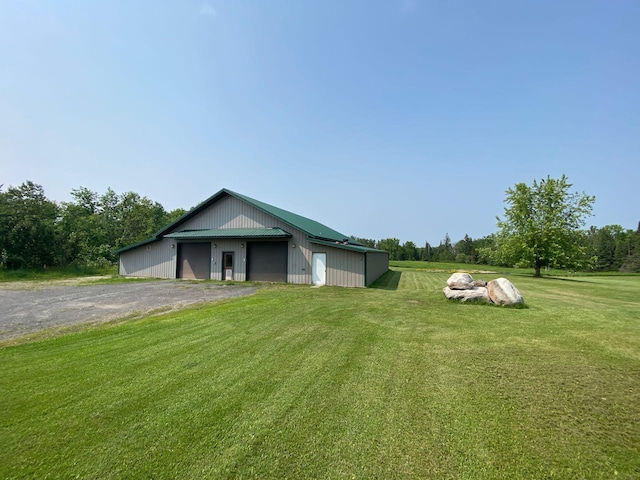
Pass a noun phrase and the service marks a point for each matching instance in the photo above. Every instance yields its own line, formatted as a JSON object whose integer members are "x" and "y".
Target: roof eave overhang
{"x": 137, "y": 244}
{"x": 214, "y": 236}
{"x": 344, "y": 246}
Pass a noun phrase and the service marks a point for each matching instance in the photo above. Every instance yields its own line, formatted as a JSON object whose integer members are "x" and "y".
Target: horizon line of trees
{"x": 37, "y": 233}
{"x": 609, "y": 248}
{"x": 463, "y": 251}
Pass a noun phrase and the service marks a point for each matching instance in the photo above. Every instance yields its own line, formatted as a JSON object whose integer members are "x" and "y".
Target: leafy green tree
{"x": 604, "y": 247}
{"x": 174, "y": 215}
{"x": 465, "y": 250}
{"x": 426, "y": 253}
{"x": 391, "y": 245}
{"x": 80, "y": 230}
{"x": 139, "y": 218}
{"x": 109, "y": 219}
{"x": 631, "y": 246}
{"x": 444, "y": 252}
{"x": 484, "y": 249}
{"x": 4, "y": 226}
{"x": 35, "y": 232}
{"x": 368, "y": 242}
{"x": 408, "y": 251}
{"x": 27, "y": 227}
{"x": 541, "y": 225}
{"x": 93, "y": 225}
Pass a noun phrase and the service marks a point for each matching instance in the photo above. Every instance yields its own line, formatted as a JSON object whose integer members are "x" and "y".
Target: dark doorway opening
{"x": 194, "y": 260}
{"x": 267, "y": 261}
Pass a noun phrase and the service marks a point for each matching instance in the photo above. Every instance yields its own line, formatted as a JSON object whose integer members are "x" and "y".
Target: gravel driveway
{"x": 26, "y": 311}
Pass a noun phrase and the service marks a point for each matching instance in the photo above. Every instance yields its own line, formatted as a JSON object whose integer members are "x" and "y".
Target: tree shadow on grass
{"x": 388, "y": 281}
{"x": 564, "y": 279}
{"x": 578, "y": 279}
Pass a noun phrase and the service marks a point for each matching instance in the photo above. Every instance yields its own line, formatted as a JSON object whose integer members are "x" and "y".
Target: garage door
{"x": 267, "y": 261}
{"x": 194, "y": 260}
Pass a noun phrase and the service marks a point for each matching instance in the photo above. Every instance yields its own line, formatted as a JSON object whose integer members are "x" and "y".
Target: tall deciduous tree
{"x": 408, "y": 251}
{"x": 604, "y": 247}
{"x": 541, "y": 225}
{"x": 484, "y": 248}
{"x": 27, "y": 227}
{"x": 36, "y": 232}
{"x": 391, "y": 245}
{"x": 138, "y": 218}
{"x": 465, "y": 251}
{"x": 93, "y": 225}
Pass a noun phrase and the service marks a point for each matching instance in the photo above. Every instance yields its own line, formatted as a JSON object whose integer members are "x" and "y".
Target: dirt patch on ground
{"x": 26, "y": 309}
{"x": 40, "y": 284}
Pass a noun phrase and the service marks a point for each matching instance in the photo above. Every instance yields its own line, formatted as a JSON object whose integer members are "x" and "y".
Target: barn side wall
{"x": 377, "y": 265}
{"x": 345, "y": 268}
{"x": 156, "y": 259}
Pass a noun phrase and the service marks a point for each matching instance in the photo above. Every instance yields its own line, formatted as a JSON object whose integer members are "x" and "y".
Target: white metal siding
{"x": 157, "y": 259}
{"x": 230, "y": 212}
{"x": 345, "y": 268}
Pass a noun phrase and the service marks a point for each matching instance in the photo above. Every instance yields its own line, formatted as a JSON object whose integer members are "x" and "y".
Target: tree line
{"x": 539, "y": 228}
{"x": 37, "y": 233}
{"x": 463, "y": 251}
{"x": 610, "y": 248}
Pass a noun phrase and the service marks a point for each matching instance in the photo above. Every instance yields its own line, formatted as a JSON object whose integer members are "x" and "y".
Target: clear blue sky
{"x": 404, "y": 118}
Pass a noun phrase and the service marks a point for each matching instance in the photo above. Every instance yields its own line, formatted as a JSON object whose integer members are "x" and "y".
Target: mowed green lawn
{"x": 298, "y": 382}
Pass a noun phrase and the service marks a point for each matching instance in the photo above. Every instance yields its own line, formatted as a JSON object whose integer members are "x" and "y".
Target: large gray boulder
{"x": 474, "y": 293}
{"x": 460, "y": 281}
{"x": 503, "y": 292}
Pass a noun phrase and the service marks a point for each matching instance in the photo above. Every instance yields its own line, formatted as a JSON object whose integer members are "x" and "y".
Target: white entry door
{"x": 319, "y": 268}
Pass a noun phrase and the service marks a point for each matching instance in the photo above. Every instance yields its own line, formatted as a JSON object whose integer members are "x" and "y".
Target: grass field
{"x": 298, "y": 382}
{"x": 471, "y": 267}
{"x": 53, "y": 274}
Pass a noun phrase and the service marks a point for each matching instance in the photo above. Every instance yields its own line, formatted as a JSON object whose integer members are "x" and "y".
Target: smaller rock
{"x": 460, "y": 281}
{"x": 503, "y": 292}
{"x": 475, "y": 293}
{"x": 479, "y": 283}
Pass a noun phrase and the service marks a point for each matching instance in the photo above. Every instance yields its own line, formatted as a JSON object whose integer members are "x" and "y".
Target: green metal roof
{"x": 137, "y": 244}
{"x": 315, "y": 230}
{"x": 346, "y": 246}
{"x": 231, "y": 233}
{"x": 308, "y": 226}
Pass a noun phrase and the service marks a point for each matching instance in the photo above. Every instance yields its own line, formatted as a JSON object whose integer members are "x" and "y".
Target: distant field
{"x": 472, "y": 267}
{"x": 298, "y": 382}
